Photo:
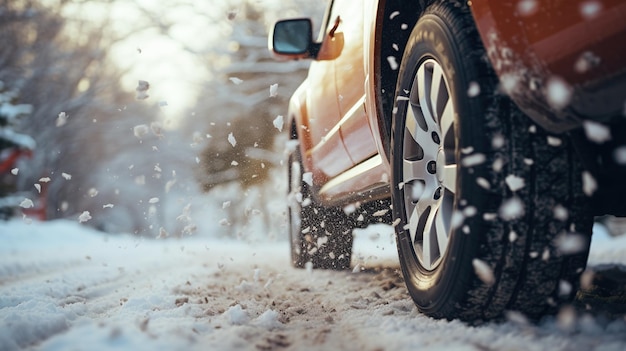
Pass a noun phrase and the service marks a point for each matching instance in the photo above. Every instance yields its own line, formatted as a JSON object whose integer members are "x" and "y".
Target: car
{"x": 488, "y": 133}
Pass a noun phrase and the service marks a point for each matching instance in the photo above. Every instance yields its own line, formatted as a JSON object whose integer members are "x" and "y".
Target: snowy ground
{"x": 66, "y": 287}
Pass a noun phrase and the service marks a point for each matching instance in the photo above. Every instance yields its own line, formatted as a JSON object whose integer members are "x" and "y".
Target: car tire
{"x": 320, "y": 236}
{"x": 490, "y": 213}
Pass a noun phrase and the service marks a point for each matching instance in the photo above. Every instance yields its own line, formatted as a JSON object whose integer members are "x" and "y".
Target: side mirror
{"x": 292, "y": 39}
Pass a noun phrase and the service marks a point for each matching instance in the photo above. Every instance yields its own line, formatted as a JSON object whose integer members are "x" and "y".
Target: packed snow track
{"x": 66, "y": 287}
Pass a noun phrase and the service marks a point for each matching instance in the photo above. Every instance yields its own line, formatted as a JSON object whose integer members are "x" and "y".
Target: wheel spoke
{"x": 442, "y": 231}
{"x": 435, "y": 93}
{"x": 430, "y": 245}
{"x": 447, "y": 119}
{"x": 421, "y": 137}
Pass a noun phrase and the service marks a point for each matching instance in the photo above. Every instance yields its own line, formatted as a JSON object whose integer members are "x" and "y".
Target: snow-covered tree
{"x": 245, "y": 104}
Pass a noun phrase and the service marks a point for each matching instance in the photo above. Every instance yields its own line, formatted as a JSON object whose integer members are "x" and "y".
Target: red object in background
{"x": 7, "y": 164}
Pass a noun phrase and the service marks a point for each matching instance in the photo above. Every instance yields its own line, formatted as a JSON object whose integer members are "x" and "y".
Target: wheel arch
{"x": 391, "y": 29}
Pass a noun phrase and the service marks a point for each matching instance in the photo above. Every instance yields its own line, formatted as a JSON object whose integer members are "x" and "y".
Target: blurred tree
{"x": 247, "y": 100}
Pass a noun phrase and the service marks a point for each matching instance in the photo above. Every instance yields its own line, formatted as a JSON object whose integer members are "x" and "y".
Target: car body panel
{"x": 573, "y": 46}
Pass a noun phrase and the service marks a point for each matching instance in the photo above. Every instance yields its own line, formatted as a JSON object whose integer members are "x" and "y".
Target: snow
{"x": 273, "y": 90}
{"x": 559, "y": 93}
{"x": 64, "y": 286}
{"x": 231, "y": 139}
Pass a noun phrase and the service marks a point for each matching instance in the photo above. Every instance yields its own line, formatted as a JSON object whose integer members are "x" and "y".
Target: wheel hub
{"x": 428, "y": 137}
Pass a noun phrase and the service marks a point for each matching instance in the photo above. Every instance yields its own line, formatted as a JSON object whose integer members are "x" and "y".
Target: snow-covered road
{"x": 66, "y": 287}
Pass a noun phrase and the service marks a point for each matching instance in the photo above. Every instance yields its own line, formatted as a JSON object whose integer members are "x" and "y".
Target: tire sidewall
{"x": 432, "y": 39}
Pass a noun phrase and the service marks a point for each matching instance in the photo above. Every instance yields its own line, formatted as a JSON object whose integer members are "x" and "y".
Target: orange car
{"x": 489, "y": 133}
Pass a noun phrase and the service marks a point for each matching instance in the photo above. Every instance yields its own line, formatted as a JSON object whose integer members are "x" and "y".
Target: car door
{"x": 350, "y": 81}
{"x": 324, "y": 115}
{"x": 339, "y": 129}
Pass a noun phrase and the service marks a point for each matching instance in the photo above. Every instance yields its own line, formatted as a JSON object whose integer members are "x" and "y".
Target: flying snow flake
{"x": 107, "y": 206}
{"x": 226, "y": 204}
{"x": 189, "y": 229}
{"x": 561, "y": 213}
{"x": 394, "y": 14}
{"x": 279, "y": 121}
{"x": 140, "y": 180}
{"x": 565, "y": 288}
{"x": 84, "y": 217}
{"x": 66, "y": 176}
{"x": 38, "y": 187}
{"x": 273, "y": 90}
{"x": 511, "y": 209}
{"x": 393, "y": 62}
{"x": 586, "y": 279}
{"x": 558, "y": 93}
{"x": 586, "y": 61}
{"x": 554, "y": 141}
{"x": 571, "y": 243}
{"x": 162, "y": 233}
{"x": 597, "y": 132}
{"x": 473, "y": 90}
{"x": 350, "y": 209}
{"x": 619, "y": 155}
{"x": 497, "y": 142}
{"x": 308, "y": 178}
{"x": 232, "y": 140}
{"x": 590, "y": 9}
{"x": 589, "y": 184}
{"x": 27, "y": 203}
{"x": 566, "y": 318}
{"x": 235, "y": 80}
{"x": 514, "y": 182}
{"x": 153, "y": 200}
{"x": 473, "y": 160}
{"x": 61, "y": 119}
{"x": 234, "y": 163}
{"x": 141, "y": 130}
{"x": 517, "y": 317}
{"x": 93, "y": 192}
{"x": 15, "y": 171}
{"x": 483, "y": 183}
{"x": 44, "y": 180}
{"x": 513, "y": 236}
{"x": 157, "y": 129}
{"x": 470, "y": 211}
{"x": 483, "y": 271}
{"x": 142, "y": 90}
{"x": 509, "y": 82}
{"x": 380, "y": 213}
{"x": 457, "y": 220}
{"x": 404, "y": 26}
{"x": 224, "y": 222}
{"x": 396, "y": 222}
{"x": 527, "y": 8}
{"x": 170, "y": 183}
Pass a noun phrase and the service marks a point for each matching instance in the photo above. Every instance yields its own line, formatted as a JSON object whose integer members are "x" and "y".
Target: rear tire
{"x": 483, "y": 196}
{"x": 318, "y": 234}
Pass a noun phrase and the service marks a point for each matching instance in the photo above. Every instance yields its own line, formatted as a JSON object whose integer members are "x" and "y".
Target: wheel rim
{"x": 429, "y": 168}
